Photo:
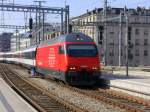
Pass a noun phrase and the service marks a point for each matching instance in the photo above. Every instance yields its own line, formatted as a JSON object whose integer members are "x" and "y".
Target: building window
{"x": 100, "y": 35}
{"x": 137, "y": 63}
{"x": 83, "y": 21}
{"x": 129, "y": 33}
{"x": 137, "y": 52}
{"x": 111, "y": 43}
{"x": 137, "y": 31}
{"x": 90, "y": 19}
{"x": 145, "y": 42}
{"x": 137, "y": 42}
{"x": 111, "y": 62}
{"x": 130, "y": 55}
{"x": 91, "y": 32}
{"x": 146, "y": 32}
{"x": 121, "y": 52}
{"x": 136, "y": 20}
{"x": 111, "y": 53}
{"x": 111, "y": 32}
{"x": 93, "y": 18}
{"x": 145, "y": 53}
{"x": 84, "y": 31}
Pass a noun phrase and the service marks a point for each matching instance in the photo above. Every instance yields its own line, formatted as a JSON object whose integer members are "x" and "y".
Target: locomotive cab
{"x": 82, "y": 60}
{"x": 83, "y": 64}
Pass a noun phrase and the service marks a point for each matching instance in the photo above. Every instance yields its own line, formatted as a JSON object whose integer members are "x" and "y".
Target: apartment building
{"x": 138, "y": 33}
{"x": 5, "y": 42}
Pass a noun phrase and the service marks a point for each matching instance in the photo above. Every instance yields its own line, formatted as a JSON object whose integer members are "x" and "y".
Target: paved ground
{"x": 11, "y": 102}
{"x": 138, "y": 81}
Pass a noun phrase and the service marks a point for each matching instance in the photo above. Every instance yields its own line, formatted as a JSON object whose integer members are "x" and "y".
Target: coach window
{"x": 61, "y": 50}
{"x": 24, "y": 54}
{"x": 15, "y": 55}
{"x": 27, "y": 55}
{"x": 30, "y": 55}
{"x": 33, "y": 54}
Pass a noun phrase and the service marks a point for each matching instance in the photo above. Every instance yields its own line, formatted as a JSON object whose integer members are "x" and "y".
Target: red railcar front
{"x": 83, "y": 63}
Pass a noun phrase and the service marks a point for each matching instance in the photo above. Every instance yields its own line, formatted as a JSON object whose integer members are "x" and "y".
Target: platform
{"x": 137, "y": 81}
{"x": 11, "y": 102}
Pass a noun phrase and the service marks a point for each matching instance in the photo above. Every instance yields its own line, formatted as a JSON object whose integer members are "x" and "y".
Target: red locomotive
{"x": 72, "y": 58}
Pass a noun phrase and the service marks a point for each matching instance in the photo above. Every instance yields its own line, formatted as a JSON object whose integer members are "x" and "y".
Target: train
{"x": 72, "y": 58}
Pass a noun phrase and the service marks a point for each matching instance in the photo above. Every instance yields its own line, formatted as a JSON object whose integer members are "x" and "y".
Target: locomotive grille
{"x": 84, "y": 75}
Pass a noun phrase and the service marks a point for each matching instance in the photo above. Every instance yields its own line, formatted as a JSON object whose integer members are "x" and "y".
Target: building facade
{"x": 23, "y": 39}
{"x": 20, "y": 41}
{"x": 41, "y": 34}
{"x": 5, "y": 42}
{"x": 137, "y": 33}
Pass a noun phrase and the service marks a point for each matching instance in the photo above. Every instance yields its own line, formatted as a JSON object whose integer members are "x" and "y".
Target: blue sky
{"x": 80, "y": 6}
{"x": 77, "y": 7}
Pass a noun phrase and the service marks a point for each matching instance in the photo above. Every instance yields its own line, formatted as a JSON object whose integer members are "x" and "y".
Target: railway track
{"x": 123, "y": 101}
{"x": 116, "y": 99}
{"x": 40, "y": 99}
{"x": 111, "y": 97}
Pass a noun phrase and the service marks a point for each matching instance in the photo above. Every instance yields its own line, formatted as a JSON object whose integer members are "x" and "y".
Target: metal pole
{"x": 97, "y": 35}
{"x": 31, "y": 39}
{"x": 61, "y": 28}
{"x": 66, "y": 19}
{"x": 67, "y": 7}
{"x": 36, "y": 26}
{"x": 127, "y": 24}
{"x": 43, "y": 25}
{"x": 105, "y": 32}
{"x": 120, "y": 39}
{"x": 16, "y": 39}
{"x": 19, "y": 40}
{"x": 2, "y": 18}
{"x": 39, "y": 22}
{"x": 26, "y": 44}
{"x": 40, "y": 5}
{"x": 65, "y": 2}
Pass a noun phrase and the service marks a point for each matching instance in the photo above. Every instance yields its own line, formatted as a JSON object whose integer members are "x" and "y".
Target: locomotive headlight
{"x": 95, "y": 68}
{"x": 72, "y": 68}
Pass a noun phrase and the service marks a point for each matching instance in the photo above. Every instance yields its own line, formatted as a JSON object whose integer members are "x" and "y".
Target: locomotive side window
{"x": 61, "y": 49}
{"x": 28, "y": 55}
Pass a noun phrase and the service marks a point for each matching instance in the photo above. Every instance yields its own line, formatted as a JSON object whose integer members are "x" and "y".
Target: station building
{"x": 92, "y": 24}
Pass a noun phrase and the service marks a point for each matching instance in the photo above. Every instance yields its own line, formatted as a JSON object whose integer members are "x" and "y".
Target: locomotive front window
{"x": 82, "y": 50}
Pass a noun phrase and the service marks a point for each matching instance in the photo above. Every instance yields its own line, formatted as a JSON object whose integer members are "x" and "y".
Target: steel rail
{"x": 46, "y": 100}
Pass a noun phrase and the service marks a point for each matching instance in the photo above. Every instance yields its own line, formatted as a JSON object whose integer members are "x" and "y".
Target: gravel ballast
{"x": 80, "y": 100}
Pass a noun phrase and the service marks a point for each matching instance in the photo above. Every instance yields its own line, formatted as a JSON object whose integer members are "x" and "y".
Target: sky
{"x": 80, "y": 6}
{"x": 77, "y": 7}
